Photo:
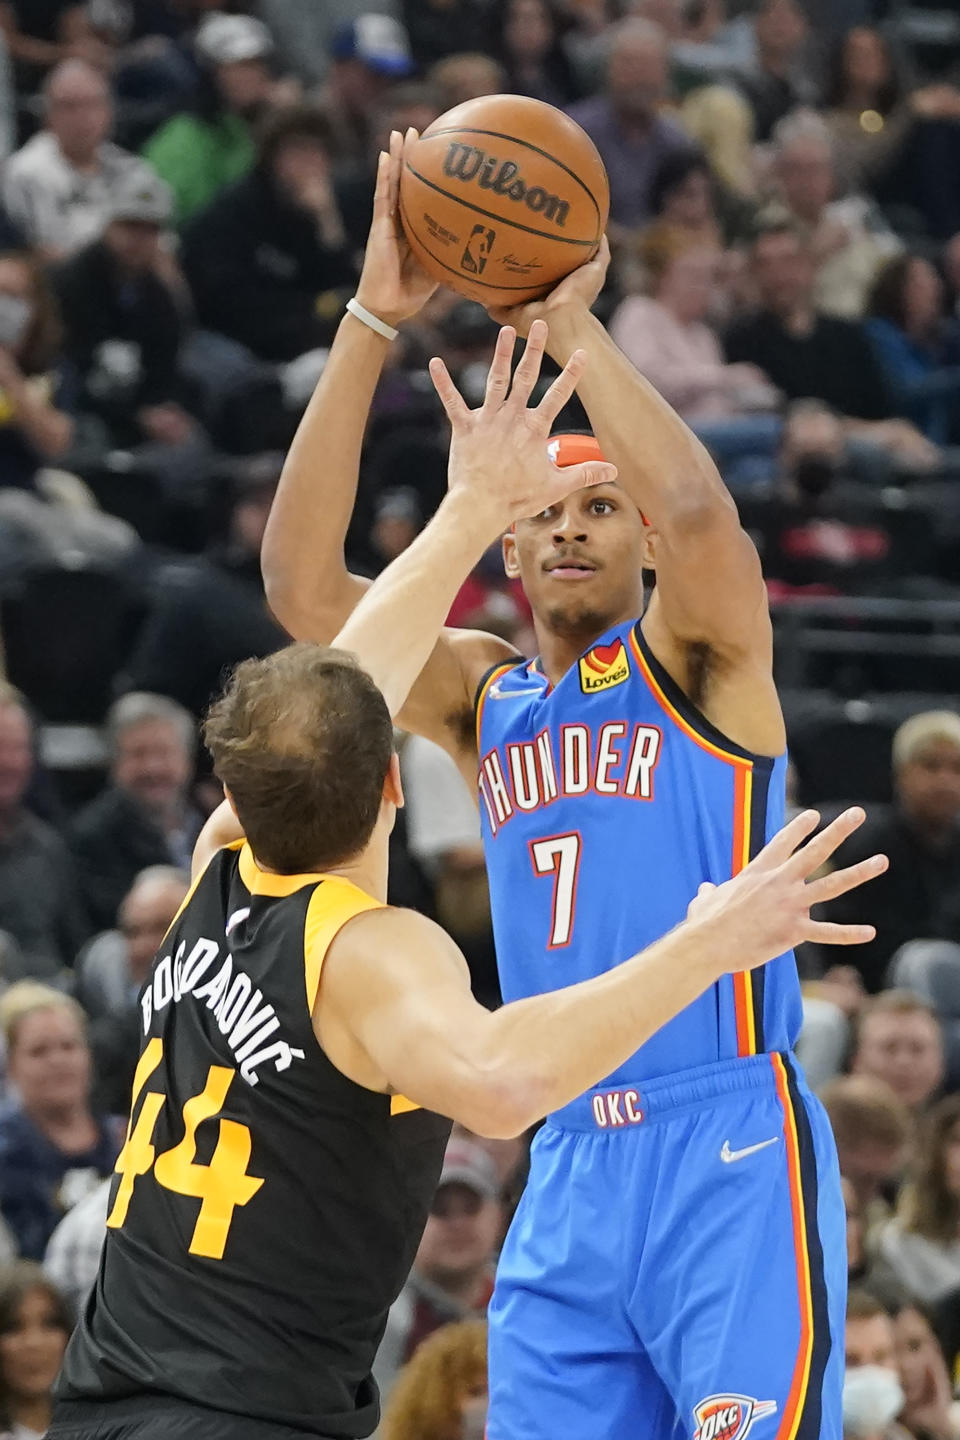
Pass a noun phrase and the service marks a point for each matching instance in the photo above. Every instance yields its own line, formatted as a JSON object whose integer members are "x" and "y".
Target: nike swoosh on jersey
{"x": 729, "y": 1157}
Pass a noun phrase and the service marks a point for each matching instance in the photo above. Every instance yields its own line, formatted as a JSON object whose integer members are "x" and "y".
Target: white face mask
{"x": 872, "y": 1397}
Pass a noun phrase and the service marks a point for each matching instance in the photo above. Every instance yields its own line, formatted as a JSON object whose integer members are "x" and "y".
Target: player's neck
{"x": 560, "y": 646}
{"x": 33, "y": 1414}
{"x": 369, "y": 870}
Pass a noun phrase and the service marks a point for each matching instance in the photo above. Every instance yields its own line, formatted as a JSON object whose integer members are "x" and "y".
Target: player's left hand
{"x": 499, "y": 452}
{"x": 578, "y": 290}
{"x": 393, "y": 284}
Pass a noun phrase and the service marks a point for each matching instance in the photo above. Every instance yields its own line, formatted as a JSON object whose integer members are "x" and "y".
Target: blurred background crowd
{"x": 185, "y": 190}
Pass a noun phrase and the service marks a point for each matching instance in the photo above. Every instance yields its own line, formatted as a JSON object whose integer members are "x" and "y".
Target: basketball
{"x": 502, "y": 197}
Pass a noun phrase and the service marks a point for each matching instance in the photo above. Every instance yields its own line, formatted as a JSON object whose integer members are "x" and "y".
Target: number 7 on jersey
{"x": 559, "y": 856}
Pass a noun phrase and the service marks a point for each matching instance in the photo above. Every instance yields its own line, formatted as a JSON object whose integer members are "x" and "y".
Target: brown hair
{"x": 426, "y": 1399}
{"x": 16, "y": 1283}
{"x": 927, "y": 1206}
{"x": 861, "y": 1108}
{"x": 40, "y": 345}
{"x": 662, "y": 243}
{"x": 861, "y": 1305}
{"x": 892, "y": 1002}
{"x": 302, "y": 740}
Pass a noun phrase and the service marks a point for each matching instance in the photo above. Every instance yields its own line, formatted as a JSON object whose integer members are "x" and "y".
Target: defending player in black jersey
{"x": 300, "y": 1039}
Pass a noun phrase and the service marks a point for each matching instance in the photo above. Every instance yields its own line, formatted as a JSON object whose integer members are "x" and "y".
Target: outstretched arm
{"x": 395, "y": 1011}
{"x": 304, "y": 570}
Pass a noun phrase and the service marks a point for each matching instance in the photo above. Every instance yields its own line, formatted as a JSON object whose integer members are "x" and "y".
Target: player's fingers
{"x": 527, "y": 372}
{"x": 381, "y": 195}
{"x": 588, "y": 472}
{"x": 783, "y": 844}
{"x": 822, "y": 846}
{"x": 562, "y": 388}
{"x": 498, "y": 376}
{"x": 450, "y": 397}
{"x": 824, "y": 932}
{"x": 839, "y": 882}
{"x": 396, "y": 165}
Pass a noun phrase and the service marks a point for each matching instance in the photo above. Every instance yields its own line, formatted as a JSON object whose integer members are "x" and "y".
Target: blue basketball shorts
{"x": 677, "y": 1268}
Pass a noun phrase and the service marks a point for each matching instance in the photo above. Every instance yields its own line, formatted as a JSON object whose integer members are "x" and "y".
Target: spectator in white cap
{"x": 368, "y": 55}
{"x": 452, "y": 1276}
{"x": 60, "y": 186}
{"x": 919, "y": 898}
{"x": 200, "y": 151}
{"x": 123, "y": 325}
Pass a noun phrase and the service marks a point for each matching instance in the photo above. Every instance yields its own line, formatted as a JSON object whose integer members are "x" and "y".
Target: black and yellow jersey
{"x": 265, "y": 1209}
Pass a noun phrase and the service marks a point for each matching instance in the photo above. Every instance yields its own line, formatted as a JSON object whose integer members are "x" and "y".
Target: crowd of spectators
{"x": 185, "y": 190}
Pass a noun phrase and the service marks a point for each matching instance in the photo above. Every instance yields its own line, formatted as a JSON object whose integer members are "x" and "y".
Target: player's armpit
{"x": 440, "y": 707}
{"x": 394, "y": 1013}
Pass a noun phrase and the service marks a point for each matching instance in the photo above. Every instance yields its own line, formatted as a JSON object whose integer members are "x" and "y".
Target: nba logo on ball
{"x": 479, "y": 245}
{"x": 729, "y": 1417}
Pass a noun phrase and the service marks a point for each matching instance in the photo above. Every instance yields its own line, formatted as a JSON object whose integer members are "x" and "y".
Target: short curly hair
{"x": 449, "y": 1367}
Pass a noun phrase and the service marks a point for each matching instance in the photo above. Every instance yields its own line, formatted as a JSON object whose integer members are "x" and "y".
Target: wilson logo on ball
{"x": 468, "y": 163}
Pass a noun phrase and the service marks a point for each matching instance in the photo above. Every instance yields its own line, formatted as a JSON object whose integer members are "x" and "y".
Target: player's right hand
{"x": 576, "y": 291}
{"x": 765, "y": 910}
{"x": 393, "y": 285}
{"x": 499, "y": 453}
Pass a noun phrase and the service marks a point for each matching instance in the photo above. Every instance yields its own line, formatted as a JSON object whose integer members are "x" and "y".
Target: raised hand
{"x": 393, "y": 285}
{"x": 499, "y": 452}
{"x": 578, "y": 289}
{"x": 765, "y": 910}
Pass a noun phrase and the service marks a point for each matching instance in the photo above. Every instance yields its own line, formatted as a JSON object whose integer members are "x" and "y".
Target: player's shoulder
{"x": 388, "y": 940}
{"x": 478, "y": 654}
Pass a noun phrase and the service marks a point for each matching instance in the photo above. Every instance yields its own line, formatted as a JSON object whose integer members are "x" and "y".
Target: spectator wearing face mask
{"x": 898, "y": 1039}
{"x": 872, "y": 1393}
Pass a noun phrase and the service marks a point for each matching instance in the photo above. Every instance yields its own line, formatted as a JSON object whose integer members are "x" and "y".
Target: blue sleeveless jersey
{"x": 605, "y": 803}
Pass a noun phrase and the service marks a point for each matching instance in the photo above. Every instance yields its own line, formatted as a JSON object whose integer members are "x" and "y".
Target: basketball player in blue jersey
{"x": 677, "y": 1264}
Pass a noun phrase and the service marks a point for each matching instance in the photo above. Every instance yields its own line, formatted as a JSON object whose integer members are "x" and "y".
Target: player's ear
{"x": 510, "y": 563}
{"x": 649, "y": 551}
{"x": 392, "y": 784}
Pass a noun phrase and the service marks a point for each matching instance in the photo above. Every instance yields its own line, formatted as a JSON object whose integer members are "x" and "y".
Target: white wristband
{"x": 373, "y": 321}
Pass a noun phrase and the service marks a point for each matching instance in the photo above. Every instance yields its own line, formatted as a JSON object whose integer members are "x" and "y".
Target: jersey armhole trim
{"x": 327, "y": 913}
{"x": 483, "y": 689}
{"x": 683, "y": 711}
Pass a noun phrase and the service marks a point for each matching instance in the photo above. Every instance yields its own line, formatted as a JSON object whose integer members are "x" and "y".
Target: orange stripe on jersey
{"x": 739, "y": 760}
{"x": 793, "y": 1410}
{"x": 400, "y": 1105}
{"x": 485, "y": 691}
